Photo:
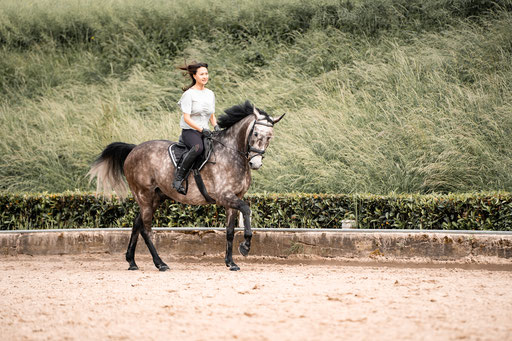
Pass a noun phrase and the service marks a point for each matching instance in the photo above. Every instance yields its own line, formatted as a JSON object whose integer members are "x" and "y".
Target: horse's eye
{"x": 256, "y": 134}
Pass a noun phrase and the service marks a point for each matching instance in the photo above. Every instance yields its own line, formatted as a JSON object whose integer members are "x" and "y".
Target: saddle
{"x": 176, "y": 152}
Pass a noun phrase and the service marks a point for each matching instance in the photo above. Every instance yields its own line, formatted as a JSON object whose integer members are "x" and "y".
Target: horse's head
{"x": 259, "y": 137}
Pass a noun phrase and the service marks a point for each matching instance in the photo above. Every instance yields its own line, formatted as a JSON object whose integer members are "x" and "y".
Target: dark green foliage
{"x": 300, "y": 210}
{"x": 83, "y": 210}
{"x": 446, "y": 212}
{"x": 439, "y": 212}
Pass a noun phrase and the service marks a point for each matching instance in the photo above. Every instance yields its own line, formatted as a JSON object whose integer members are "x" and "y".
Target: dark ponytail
{"x": 191, "y": 70}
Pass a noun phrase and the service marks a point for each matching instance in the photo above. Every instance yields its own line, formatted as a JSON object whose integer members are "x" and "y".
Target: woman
{"x": 198, "y": 107}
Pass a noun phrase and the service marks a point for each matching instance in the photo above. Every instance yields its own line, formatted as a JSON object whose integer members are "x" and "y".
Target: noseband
{"x": 251, "y": 149}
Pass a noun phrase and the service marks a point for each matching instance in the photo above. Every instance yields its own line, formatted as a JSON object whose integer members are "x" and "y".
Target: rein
{"x": 227, "y": 147}
{"x": 249, "y": 147}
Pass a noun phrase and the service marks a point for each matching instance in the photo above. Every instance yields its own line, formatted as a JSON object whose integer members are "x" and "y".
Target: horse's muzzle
{"x": 256, "y": 162}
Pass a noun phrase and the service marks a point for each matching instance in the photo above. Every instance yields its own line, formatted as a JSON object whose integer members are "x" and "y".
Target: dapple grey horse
{"x": 149, "y": 173}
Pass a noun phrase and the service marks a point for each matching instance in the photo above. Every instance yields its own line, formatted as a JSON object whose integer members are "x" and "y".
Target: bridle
{"x": 250, "y": 149}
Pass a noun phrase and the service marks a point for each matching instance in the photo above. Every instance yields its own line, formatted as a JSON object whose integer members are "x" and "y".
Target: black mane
{"x": 237, "y": 113}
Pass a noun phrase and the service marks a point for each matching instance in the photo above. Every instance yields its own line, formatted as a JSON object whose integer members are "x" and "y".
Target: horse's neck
{"x": 236, "y": 136}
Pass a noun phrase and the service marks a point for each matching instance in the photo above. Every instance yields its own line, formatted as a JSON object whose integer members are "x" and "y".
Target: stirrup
{"x": 179, "y": 187}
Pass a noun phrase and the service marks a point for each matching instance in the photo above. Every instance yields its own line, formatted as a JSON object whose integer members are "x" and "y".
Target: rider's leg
{"x": 193, "y": 140}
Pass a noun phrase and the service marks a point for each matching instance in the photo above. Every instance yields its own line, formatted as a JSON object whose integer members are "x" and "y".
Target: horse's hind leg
{"x": 130, "y": 253}
{"x": 147, "y": 208}
{"x": 231, "y": 214}
{"x": 159, "y": 263}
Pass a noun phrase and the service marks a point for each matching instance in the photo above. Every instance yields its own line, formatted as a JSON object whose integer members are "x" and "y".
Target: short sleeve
{"x": 213, "y": 105}
{"x": 185, "y": 102}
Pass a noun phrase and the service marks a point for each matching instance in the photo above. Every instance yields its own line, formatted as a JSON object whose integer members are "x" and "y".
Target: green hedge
{"x": 454, "y": 212}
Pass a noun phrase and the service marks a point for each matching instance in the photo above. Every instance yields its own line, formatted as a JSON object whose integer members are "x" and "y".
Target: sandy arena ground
{"x": 94, "y": 297}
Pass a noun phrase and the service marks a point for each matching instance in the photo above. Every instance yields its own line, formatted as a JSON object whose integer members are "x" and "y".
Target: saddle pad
{"x": 176, "y": 151}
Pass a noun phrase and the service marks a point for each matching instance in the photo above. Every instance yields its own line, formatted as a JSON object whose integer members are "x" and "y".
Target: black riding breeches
{"x": 193, "y": 140}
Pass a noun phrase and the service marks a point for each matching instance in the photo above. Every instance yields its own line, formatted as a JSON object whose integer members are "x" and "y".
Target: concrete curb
{"x": 407, "y": 245}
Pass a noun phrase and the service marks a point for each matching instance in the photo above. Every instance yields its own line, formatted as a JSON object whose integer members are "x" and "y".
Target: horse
{"x": 238, "y": 148}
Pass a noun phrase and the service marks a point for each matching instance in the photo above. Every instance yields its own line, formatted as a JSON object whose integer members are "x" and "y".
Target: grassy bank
{"x": 381, "y": 96}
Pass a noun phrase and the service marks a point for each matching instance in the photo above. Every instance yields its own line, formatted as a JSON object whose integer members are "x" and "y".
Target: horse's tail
{"x": 108, "y": 169}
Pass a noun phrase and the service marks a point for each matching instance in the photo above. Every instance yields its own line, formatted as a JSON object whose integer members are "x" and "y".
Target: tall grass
{"x": 381, "y": 96}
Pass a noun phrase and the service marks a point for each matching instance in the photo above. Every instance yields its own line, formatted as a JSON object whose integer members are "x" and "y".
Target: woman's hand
{"x": 206, "y": 133}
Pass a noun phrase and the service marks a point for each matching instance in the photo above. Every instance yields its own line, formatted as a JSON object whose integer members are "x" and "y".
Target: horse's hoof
{"x": 163, "y": 267}
{"x": 133, "y": 267}
{"x": 244, "y": 250}
{"x": 234, "y": 267}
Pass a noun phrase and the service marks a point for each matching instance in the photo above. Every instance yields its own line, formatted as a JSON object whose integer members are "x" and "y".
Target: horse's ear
{"x": 275, "y": 120}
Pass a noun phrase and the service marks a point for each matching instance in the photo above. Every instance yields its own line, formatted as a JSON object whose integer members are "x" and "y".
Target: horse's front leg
{"x": 231, "y": 214}
{"x": 245, "y": 246}
{"x": 232, "y": 204}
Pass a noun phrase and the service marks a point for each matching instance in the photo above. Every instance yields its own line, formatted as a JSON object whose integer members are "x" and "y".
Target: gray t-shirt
{"x": 200, "y": 104}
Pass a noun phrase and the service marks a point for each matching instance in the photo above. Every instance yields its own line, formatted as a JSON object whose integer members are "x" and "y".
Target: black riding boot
{"x": 182, "y": 171}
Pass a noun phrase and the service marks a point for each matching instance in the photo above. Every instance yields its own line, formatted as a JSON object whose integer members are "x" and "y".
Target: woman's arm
{"x": 213, "y": 120}
{"x": 192, "y": 124}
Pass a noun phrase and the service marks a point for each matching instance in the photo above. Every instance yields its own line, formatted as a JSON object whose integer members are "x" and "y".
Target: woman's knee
{"x": 198, "y": 148}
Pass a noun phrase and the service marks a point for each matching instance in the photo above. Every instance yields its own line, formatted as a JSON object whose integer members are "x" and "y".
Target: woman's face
{"x": 201, "y": 76}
